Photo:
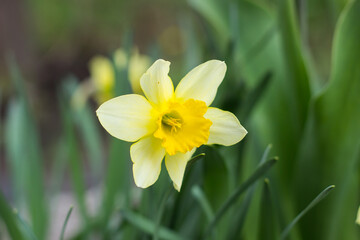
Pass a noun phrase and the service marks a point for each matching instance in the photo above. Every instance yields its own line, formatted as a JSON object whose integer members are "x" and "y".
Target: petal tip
{"x": 142, "y": 182}
{"x": 220, "y": 62}
{"x": 177, "y": 188}
{"x": 162, "y": 61}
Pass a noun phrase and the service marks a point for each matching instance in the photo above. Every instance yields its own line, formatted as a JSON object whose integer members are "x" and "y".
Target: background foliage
{"x": 293, "y": 80}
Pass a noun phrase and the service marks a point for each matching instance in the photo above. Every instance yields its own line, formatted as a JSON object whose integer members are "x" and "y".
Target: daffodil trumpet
{"x": 170, "y": 124}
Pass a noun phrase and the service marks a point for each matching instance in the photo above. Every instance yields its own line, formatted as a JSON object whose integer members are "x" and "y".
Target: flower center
{"x": 171, "y": 121}
{"x": 182, "y": 126}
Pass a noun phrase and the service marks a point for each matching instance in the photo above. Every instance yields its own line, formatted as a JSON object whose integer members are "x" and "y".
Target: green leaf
{"x": 331, "y": 143}
{"x": 118, "y": 177}
{"x": 27, "y": 230}
{"x": 297, "y": 85}
{"x": 14, "y": 128}
{"x": 200, "y": 196}
{"x": 25, "y": 150}
{"x": 260, "y": 171}
{"x": 160, "y": 211}
{"x": 148, "y": 226}
{"x": 57, "y": 172}
{"x": 185, "y": 214}
{"x": 267, "y": 226}
{"x": 216, "y": 16}
{"x": 195, "y": 159}
{"x": 192, "y": 53}
{"x": 89, "y": 128}
{"x": 256, "y": 31}
{"x": 312, "y": 204}
{"x": 240, "y": 216}
{"x": 65, "y": 223}
{"x": 216, "y": 182}
{"x": 297, "y": 73}
{"x": 8, "y": 217}
{"x": 118, "y": 171}
{"x": 254, "y": 96}
{"x": 74, "y": 156}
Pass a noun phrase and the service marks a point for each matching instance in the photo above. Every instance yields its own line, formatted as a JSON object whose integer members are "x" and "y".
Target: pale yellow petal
{"x": 156, "y": 84}
{"x": 358, "y": 217}
{"x": 176, "y": 165}
{"x": 146, "y": 155}
{"x": 128, "y": 117}
{"x": 225, "y": 129}
{"x": 202, "y": 82}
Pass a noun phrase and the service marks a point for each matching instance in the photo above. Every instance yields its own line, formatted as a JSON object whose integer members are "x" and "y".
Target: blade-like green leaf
{"x": 57, "y": 172}
{"x": 267, "y": 226}
{"x": 215, "y": 14}
{"x": 74, "y": 158}
{"x": 185, "y": 208}
{"x": 65, "y": 223}
{"x": 313, "y": 203}
{"x": 160, "y": 212}
{"x": 192, "y": 53}
{"x": 239, "y": 216}
{"x": 199, "y": 195}
{"x": 118, "y": 170}
{"x": 260, "y": 171}
{"x": 29, "y": 155}
{"x": 216, "y": 180}
{"x": 297, "y": 84}
{"x": 14, "y": 128}
{"x": 254, "y": 96}
{"x": 118, "y": 177}
{"x": 195, "y": 159}
{"x": 88, "y": 126}
{"x": 299, "y": 80}
{"x": 8, "y": 217}
{"x": 27, "y": 230}
{"x": 330, "y": 148}
{"x": 148, "y": 226}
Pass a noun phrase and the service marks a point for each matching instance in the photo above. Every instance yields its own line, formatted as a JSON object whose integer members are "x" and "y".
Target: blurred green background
{"x": 293, "y": 80}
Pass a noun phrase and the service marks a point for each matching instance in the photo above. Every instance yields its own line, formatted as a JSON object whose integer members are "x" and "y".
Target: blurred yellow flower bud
{"x": 103, "y": 72}
{"x": 120, "y": 58}
{"x": 138, "y": 64}
{"x": 358, "y": 217}
{"x": 102, "y": 76}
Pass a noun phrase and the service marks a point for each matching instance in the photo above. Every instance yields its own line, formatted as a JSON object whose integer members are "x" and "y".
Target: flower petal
{"x": 176, "y": 165}
{"x": 202, "y": 82}
{"x": 226, "y": 128}
{"x": 357, "y": 221}
{"x": 156, "y": 84}
{"x": 146, "y": 155}
{"x": 128, "y": 117}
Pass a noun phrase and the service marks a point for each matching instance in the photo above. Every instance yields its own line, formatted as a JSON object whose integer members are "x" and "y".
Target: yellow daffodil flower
{"x": 168, "y": 123}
